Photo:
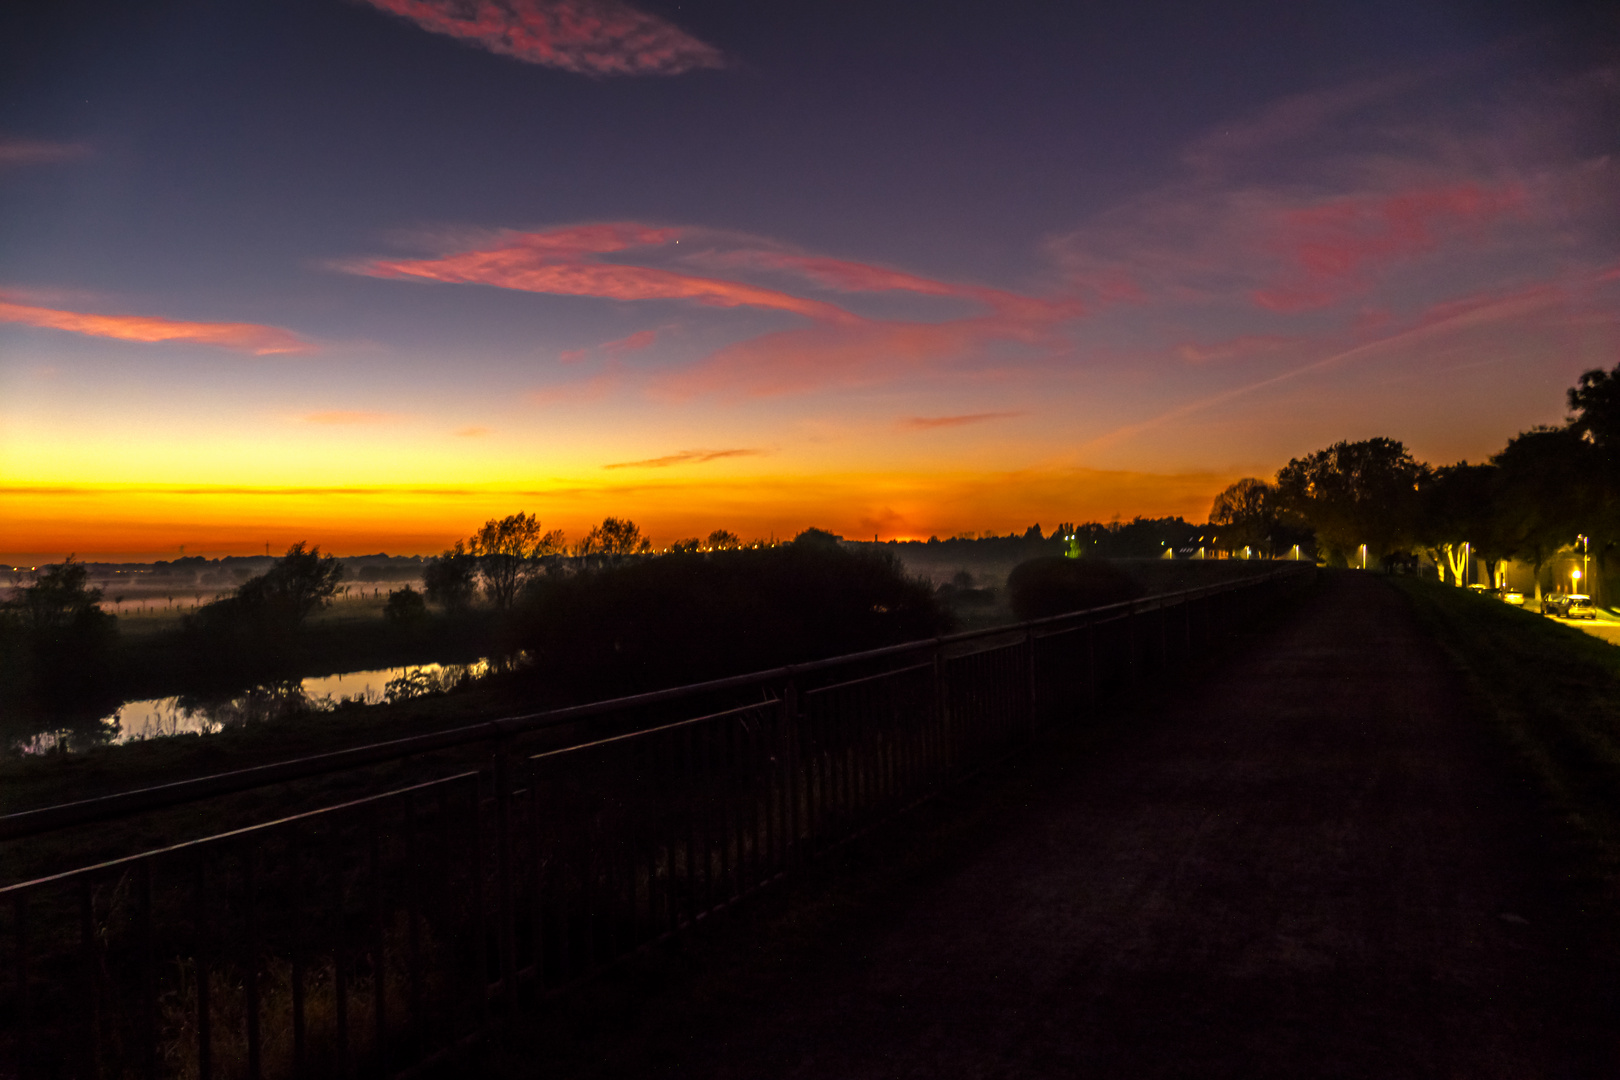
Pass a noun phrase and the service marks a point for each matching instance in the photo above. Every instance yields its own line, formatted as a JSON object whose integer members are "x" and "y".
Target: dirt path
{"x": 1311, "y": 866}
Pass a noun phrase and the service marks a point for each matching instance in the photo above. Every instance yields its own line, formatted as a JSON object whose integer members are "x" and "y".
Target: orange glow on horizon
{"x": 146, "y": 522}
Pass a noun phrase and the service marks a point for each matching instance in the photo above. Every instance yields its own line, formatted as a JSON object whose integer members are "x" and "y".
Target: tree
{"x": 686, "y": 547}
{"x": 1594, "y": 404}
{"x": 255, "y": 632}
{"x": 723, "y": 540}
{"x": 813, "y": 537}
{"x": 1245, "y": 515}
{"x": 1541, "y": 498}
{"x": 58, "y": 642}
{"x": 1457, "y": 519}
{"x": 299, "y": 584}
{"x": 506, "y": 551}
{"x": 615, "y": 536}
{"x": 451, "y": 579}
{"x": 1356, "y": 493}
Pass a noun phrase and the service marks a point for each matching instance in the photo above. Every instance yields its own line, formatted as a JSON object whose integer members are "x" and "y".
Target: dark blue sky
{"x": 1273, "y": 182}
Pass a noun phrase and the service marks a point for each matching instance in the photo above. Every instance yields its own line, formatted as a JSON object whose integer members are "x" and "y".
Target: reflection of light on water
{"x": 152, "y": 718}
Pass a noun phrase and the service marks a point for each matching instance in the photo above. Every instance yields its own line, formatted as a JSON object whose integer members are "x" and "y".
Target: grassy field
{"x": 1553, "y": 694}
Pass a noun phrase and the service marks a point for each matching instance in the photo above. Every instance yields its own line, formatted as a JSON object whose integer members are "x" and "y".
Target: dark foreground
{"x": 1315, "y": 864}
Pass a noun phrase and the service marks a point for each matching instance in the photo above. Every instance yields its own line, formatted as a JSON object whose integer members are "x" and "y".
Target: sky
{"x": 365, "y": 273}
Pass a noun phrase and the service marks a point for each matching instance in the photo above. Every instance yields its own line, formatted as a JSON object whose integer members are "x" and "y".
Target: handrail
{"x": 46, "y": 819}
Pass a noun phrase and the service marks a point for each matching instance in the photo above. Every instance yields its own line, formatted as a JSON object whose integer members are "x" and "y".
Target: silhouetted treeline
{"x": 1371, "y": 500}
{"x": 647, "y": 623}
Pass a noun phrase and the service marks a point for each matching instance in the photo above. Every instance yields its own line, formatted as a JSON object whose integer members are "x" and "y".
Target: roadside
{"x": 1318, "y": 862}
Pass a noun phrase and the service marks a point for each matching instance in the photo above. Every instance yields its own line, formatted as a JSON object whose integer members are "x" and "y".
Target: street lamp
{"x": 1583, "y": 541}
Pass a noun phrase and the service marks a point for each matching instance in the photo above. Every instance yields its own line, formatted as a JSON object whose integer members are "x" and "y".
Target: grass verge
{"x": 1553, "y": 695}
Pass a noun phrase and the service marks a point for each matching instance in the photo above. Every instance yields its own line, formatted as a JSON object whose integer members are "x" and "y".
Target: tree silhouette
{"x": 1541, "y": 497}
{"x": 506, "y": 550}
{"x": 615, "y": 536}
{"x": 1246, "y": 515}
{"x": 723, "y": 540}
{"x": 1356, "y": 493}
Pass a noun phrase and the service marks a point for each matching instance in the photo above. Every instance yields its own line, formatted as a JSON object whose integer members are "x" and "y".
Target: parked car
{"x": 1511, "y": 596}
{"x": 1580, "y": 606}
{"x": 1555, "y": 604}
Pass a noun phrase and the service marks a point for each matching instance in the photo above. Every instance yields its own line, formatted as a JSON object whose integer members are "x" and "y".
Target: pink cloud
{"x": 838, "y": 348}
{"x": 241, "y": 337}
{"x": 929, "y": 423}
{"x": 588, "y": 37}
{"x": 847, "y": 276}
{"x": 473, "y": 432}
{"x": 1243, "y": 345}
{"x": 566, "y": 262}
{"x": 1330, "y": 245}
{"x": 39, "y": 152}
{"x": 641, "y": 339}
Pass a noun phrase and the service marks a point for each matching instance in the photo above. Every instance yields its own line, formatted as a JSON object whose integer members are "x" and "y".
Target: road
{"x": 1317, "y": 863}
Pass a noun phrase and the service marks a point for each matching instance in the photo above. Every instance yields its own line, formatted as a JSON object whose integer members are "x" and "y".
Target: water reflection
{"x": 186, "y": 714}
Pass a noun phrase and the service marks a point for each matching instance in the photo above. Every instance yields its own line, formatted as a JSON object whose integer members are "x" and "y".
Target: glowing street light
{"x": 1582, "y": 573}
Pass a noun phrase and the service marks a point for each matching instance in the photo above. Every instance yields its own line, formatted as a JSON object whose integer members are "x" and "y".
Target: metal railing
{"x": 384, "y": 933}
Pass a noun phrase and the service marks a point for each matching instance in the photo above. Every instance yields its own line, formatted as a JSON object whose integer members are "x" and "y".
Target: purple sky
{"x": 369, "y": 272}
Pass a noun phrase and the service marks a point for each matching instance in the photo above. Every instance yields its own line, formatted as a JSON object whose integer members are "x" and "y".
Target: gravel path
{"x": 1311, "y": 865}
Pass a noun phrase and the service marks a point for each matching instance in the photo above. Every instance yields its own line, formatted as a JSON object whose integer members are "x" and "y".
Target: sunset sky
{"x": 367, "y": 272}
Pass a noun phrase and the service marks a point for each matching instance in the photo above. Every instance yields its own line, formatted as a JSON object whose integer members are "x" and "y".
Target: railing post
{"x": 791, "y": 812}
{"x": 1030, "y": 677}
{"x": 942, "y": 710}
{"x": 505, "y": 940}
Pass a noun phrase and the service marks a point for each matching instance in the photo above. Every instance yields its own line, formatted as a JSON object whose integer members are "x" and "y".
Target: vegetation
{"x": 56, "y": 644}
{"x": 1553, "y": 694}
{"x": 646, "y": 623}
{"x": 1054, "y": 585}
{"x": 256, "y": 632}
{"x": 1546, "y": 490}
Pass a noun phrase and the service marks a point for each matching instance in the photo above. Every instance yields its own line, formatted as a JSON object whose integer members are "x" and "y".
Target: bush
{"x": 57, "y": 645}
{"x": 256, "y": 632}
{"x": 1055, "y": 585}
{"x": 405, "y": 608}
{"x": 689, "y": 617}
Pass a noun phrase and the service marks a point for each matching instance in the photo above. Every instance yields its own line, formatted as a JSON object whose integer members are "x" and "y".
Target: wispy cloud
{"x": 1245, "y": 345}
{"x": 346, "y": 417}
{"x": 928, "y": 423}
{"x": 240, "y": 337}
{"x": 568, "y": 262}
{"x": 611, "y": 349}
{"x": 588, "y": 37}
{"x": 473, "y": 432}
{"x": 1328, "y": 248}
{"x": 39, "y": 152}
{"x": 684, "y": 457}
{"x": 837, "y": 348}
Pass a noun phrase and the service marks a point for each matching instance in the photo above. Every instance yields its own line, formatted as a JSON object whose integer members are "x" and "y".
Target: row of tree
{"x": 1548, "y": 489}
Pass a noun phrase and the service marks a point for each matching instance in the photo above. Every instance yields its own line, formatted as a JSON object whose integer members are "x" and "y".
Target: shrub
{"x": 1054, "y": 585}
{"x": 405, "y": 608}
{"x": 688, "y": 617}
